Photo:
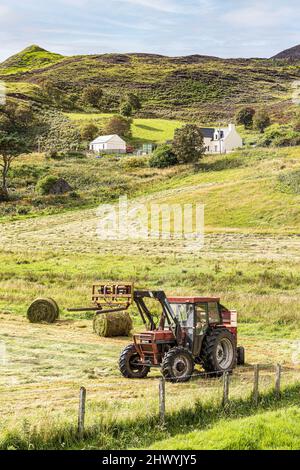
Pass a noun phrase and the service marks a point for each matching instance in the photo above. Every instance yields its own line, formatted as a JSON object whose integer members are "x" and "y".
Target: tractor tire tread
{"x": 166, "y": 366}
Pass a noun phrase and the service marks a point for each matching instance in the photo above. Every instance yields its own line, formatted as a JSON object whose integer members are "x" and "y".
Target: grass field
{"x": 253, "y": 263}
{"x": 265, "y": 431}
{"x": 143, "y": 130}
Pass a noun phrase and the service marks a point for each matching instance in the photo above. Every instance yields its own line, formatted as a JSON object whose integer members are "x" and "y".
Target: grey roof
{"x": 208, "y": 132}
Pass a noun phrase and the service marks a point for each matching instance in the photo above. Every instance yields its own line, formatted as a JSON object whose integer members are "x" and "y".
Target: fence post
{"x": 162, "y": 400}
{"x": 81, "y": 412}
{"x": 277, "y": 380}
{"x": 225, "y": 388}
{"x": 255, "y": 384}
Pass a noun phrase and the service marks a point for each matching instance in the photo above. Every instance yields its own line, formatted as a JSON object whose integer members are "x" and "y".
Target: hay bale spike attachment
{"x": 110, "y": 304}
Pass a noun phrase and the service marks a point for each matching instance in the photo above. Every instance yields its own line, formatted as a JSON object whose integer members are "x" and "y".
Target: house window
{"x": 216, "y": 148}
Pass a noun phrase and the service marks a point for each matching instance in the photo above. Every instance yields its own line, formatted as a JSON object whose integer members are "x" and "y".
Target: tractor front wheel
{"x": 178, "y": 365}
{"x": 129, "y": 366}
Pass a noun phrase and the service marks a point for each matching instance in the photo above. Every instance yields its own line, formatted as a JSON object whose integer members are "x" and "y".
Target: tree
{"x": 119, "y": 125}
{"x": 245, "y": 117}
{"x": 126, "y": 109}
{"x": 163, "y": 157}
{"x": 92, "y": 95}
{"x": 24, "y": 116}
{"x": 89, "y": 131}
{"x": 188, "y": 144}
{"x": 52, "y": 89}
{"x": 10, "y": 147}
{"x": 261, "y": 121}
{"x": 5, "y": 122}
{"x": 134, "y": 101}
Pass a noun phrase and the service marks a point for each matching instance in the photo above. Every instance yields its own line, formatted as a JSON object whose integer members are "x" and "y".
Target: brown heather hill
{"x": 196, "y": 86}
{"x": 292, "y": 53}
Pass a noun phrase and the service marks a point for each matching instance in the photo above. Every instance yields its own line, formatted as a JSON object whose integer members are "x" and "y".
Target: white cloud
{"x": 259, "y": 15}
{"x": 167, "y": 6}
{"x": 6, "y": 14}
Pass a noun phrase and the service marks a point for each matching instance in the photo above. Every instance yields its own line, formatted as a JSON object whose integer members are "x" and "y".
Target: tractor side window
{"x": 213, "y": 312}
{"x": 201, "y": 318}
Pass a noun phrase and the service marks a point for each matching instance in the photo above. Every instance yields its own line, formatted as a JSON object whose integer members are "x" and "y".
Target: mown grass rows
{"x": 263, "y": 290}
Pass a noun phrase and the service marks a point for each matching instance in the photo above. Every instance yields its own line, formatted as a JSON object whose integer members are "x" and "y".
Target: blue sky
{"x": 225, "y": 28}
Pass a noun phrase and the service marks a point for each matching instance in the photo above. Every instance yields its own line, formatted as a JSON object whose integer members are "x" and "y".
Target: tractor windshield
{"x": 182, "y": 312}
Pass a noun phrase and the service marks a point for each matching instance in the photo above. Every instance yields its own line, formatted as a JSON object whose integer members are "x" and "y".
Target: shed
{"x": 108, "y": 144}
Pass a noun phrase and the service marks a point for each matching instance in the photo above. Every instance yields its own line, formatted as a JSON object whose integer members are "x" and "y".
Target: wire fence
{"x": 121, "y": 399}
{"x": 247, "y": 382}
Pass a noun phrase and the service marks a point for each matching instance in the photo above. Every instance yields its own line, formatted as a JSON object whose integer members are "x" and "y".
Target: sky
{"x": 223, "y": 28}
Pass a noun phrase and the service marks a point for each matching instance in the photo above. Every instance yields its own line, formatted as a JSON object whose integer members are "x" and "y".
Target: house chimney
{"x": 231, "y": 127}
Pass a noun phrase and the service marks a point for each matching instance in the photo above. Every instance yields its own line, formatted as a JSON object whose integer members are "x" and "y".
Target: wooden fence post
{"x": 162, "y": 400}
{"x": 81, "y": 412}
{"x": 277, "y": 380}
{"x": 255, "y": 385}
{"x": 225, "y": 388}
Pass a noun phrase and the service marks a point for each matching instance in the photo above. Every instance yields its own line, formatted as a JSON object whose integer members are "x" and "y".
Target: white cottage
{"x": 108, "y": 144}
{"x": 221, "y": 140}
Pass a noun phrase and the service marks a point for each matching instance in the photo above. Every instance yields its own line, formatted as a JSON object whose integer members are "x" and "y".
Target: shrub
{"x": 51, "y": 154}
{"x": 126, "y": 109}
{"x": 74, "y": 195}
{"x": 280, "y": 136}
{"x": 261, "y": 121}
{"x": 163, "y": 157}
{"x": 89, "y": 131}
{"x": 134, "y": 162}
{"x": 290, "y": 182}
{"x": 245, "y": 117}
{"x": 92, "y": 95}
{"x": 23, "y": 210}
{"x": 45, "y": 184}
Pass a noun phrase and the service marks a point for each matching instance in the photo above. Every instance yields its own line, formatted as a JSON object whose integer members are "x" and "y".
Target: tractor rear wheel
{"x": 128, "y": 364}
{"x": 219, "y": 352}
{"x": 178, "y": 365}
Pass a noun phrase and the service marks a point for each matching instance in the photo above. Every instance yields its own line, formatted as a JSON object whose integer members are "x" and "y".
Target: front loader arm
{"x": 168, "y": 313}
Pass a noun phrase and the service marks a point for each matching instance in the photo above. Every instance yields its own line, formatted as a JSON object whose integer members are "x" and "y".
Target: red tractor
{"x": 190, "y": 330}
{"x": 184, "y": 331}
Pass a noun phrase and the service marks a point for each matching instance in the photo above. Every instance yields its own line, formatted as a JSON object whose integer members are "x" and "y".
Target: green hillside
{"x": 33, "y": 57}
{"x": 197, "y": 87}
{"x": 252, "y": 189}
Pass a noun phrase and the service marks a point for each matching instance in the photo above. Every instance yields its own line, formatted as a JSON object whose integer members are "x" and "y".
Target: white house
{"x": 221, "y": 140}
{"x": 108, "y": 144}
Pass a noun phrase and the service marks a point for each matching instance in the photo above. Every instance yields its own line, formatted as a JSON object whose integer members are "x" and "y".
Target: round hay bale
{"x": 112, "y": 324}
{"x": 43, "y": 311}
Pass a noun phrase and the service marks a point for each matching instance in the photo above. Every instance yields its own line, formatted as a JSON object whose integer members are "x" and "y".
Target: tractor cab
{"x": 197, "y": 315}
